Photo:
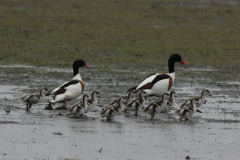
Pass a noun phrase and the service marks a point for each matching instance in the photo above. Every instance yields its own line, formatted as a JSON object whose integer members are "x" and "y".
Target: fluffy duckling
{"x": 128, "y": 98}
{"x": 137, "y": 103}
{"x": 113, "y": 110}
{"x": 79, "y": 109}
{"x": 169, "y": 103}
{"x": 188, "y": 110}
{"x": 93, "y": 101}
{"x": 158, "y": 106}
{"x": 34, "y": 98}
{"x": 201, "y": 100}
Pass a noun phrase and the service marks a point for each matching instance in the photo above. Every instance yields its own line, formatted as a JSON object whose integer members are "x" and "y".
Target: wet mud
{"x": 44, "y": 134}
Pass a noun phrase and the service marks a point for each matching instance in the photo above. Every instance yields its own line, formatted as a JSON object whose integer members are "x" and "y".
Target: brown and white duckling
{"x": 34, "y": 98}
{"x": 113, "y": 110}
{"x": 93, "y": 101}
{"x": 169, "y": 103}
{"x": 200, "y": 100}
{"x": 128, "y": 98}
{"x": 136, "y": 103}
{"x": 157, "y": 106}
{"x": 79, "y": 109}
{"x": 187, "y": 111}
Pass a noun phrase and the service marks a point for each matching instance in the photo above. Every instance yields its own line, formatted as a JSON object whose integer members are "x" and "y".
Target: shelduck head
{"x": 130, "y": 95}
{"x": 166, "y": 96}
{"x": 96, "y": 94}
{"x": 173, "y": 94}
{"x": 206, "y": 92}
{"x": 85, "y": 98}
{"x": 175, "y": 58}
{"x": 77, "y": 64}
{"x": 44, "y": 91}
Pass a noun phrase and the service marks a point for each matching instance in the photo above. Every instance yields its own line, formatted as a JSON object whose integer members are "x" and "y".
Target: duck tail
{"x": 132, "y": 89}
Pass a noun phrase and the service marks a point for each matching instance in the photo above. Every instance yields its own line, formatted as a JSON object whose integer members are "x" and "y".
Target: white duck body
{"x": 187, "y": 111}
{"x": 158, "y": 83}
{"x": 157, "y": 106}
{"x": 79, "y": 109}
{"x": 72, "y": 89}
{"x": 34, "y": 98}
{"x": 159, "y": 87}
{"x": 113, "y": 110}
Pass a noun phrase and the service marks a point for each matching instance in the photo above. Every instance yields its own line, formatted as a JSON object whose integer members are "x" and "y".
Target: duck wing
{"x": 149, "y": 82}
{"x": 61, "y": 89}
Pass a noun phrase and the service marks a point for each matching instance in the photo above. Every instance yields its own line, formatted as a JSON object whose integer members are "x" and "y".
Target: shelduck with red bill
{"x": 157, "y": 84}
{"x": 71, "y": 89}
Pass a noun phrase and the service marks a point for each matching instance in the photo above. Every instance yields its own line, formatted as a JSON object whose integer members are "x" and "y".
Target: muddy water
{"x": 42, "y": 134}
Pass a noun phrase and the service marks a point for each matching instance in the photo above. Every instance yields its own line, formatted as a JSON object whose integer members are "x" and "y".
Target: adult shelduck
{"x": 71, "y": 89}
{"x": 158, "y": 83}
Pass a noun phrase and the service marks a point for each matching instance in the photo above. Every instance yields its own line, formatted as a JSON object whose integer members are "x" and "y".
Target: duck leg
{"x": 137, "y": 106}
{"x": 110, "y": 114}
{"x": 30, "y": 105}
{"x": 65, "y": 103}
{"x": 153, "y": 112}
{"x": 152, "y": 116}
{"x": 27, "y": 108}
{"x": 64, "y": 106}
{"x": 124, "y": 110}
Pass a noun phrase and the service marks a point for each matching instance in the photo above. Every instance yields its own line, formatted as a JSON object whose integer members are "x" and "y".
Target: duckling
{"x": 169, "y": 103}
{"x": 93, "y": 101}
{"x": 34, "y": 98}
{"x": 187, "y": 111}
{"x": 128, "y": 98}
{"x": 113, "y": 110}
{"x": 158, "y": 106}
{"x": 137, "y": 103}
{"x": 79, "y": 109}
{"x": 201, "y": 100}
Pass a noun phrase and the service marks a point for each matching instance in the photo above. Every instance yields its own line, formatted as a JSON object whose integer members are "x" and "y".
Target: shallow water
{"x": 42, "y": 134}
